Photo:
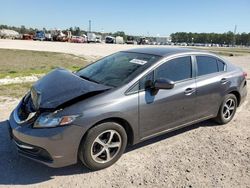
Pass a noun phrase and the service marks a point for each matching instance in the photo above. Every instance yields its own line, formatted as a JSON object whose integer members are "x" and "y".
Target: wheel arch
{"x": 125, "y": 124}
{"x": 237, "y": 95}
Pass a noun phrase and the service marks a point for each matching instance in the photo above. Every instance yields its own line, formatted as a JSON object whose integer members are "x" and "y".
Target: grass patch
{"x": 15, "y": 90}
{"x": 16, "y": 63}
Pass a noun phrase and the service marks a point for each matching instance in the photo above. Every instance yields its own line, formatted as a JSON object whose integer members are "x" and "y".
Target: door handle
{"x": 189, "y": 91}
{"x": 223, "y": 81}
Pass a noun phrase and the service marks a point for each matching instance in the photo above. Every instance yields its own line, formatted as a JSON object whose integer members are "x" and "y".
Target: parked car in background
{"x": 183, "y": 44}
{"x": 98, "y": 39}
{"x": 85, "y": 37}
{"x": 27, "y": 37}
{"x": 109, "y": 40}
{"x": 142, "y": 41}
{"x": 119, "y": 40}
{"x": 120, "y": 100}
{"x": 131, "y": 40}
{"x": 77, "y": 39}
{"x": 48, "y": 37}
{"x": 39, "y": 35}
{"x": 91, "y": 37}
{"x": 62, "y": 36}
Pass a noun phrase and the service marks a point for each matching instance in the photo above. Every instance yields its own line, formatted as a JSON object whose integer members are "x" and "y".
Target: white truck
{"x": 91, "y": 37}
{"x": 119, "y": 40}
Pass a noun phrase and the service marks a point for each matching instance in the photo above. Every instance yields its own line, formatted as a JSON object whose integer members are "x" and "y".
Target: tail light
{"x": 245, "y": 74}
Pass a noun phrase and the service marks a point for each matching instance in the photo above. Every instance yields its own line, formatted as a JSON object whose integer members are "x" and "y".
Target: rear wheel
{"x": 103, "y": 145}
{"x": 227, "y": 109}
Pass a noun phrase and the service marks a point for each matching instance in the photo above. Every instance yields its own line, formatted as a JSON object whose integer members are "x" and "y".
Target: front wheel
{"x": 227, "y": 109}
{"x": 103, "y": 145}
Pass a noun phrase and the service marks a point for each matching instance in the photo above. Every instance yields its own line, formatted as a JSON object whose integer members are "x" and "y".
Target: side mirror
{"x": 149, "y": 84}
{"x": 163, "y": 83}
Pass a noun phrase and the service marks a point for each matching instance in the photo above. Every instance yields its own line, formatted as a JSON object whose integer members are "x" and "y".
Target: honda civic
{"x": 93, "y": 114}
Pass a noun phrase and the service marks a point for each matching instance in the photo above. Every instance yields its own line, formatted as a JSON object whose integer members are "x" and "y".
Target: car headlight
{"x": 47, "y": 121}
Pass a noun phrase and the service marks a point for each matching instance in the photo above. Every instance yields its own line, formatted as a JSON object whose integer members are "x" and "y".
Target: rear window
{"x": 206, "y": 65}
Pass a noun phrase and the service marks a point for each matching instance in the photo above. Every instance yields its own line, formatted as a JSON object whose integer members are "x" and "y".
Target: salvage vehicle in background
{"x": 48, "y": 37}
{"x": 94, "y": 38}
{"x": 131, "y": 40}
{"x": 27, "y": 37}
{"x": 91, "y": 37}
{"x": 61, "y": 36}
{"x": 119, "y": 40}
{"x": 109, "y": 40}
{"x": 142, "y": 41}
{"x": 77, "y": 39}
{"x": 8, "y": 34}
{"x": 94, "y": 113}
{"x": 39, "y": 35}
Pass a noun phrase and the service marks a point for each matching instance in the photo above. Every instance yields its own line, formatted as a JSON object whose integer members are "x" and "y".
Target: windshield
{"x": 117, "y": 69}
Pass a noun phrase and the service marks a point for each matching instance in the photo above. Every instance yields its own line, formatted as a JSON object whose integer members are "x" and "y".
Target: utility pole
{"x": 234, "y": 39}
{"x": 90, "y": 26}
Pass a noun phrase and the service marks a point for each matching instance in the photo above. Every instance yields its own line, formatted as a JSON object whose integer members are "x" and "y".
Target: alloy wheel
{"x": 229, "y": 108}
{"x": 106, "y": 146}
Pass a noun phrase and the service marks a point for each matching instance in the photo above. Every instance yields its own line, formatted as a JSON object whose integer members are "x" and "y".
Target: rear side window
{"x": 176, "y": 69}
{"x": 206, "y": 65}
{"x": 221, "y": 65}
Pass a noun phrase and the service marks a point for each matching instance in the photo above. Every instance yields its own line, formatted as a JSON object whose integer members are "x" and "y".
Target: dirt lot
{"x": 202, "y": 155}
{"x": 86, "y": 50}
{"x": 96, "y": 50}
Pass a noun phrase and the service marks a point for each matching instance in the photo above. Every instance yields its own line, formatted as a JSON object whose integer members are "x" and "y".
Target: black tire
{"x": 87, "y": 145}
{"x": 220, "y": 118}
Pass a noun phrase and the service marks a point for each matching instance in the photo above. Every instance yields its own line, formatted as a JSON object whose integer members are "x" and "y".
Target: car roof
{"x": 162, "y": 51}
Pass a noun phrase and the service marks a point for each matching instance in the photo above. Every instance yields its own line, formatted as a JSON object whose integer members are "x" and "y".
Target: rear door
{"x": 168, "y": 108}
{"x": 211, "y": 82}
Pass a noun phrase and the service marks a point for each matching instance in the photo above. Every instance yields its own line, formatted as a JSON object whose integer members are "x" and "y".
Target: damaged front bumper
{"x": 54, "y": 147}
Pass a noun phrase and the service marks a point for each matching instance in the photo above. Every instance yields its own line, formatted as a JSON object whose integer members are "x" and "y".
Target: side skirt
{"x": 178, "y": 127}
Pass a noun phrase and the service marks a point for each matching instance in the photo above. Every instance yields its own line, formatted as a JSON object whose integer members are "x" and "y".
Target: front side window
{"x": 175, "y": 69}
{"x": 206, "y": 65}
{"x": 147, "y": 78}
{"x": 118, "y": 69}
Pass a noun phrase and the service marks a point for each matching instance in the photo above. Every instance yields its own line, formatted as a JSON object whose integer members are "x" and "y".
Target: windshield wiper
{"x": 89, "y": 79}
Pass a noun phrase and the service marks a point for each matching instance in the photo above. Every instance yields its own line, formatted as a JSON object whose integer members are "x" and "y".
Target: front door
{"x": 168, "y": 108}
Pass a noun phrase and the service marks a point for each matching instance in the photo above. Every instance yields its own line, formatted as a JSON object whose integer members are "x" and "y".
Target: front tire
{"x": 227, "y": 109}
{"x": 103, "y": 145}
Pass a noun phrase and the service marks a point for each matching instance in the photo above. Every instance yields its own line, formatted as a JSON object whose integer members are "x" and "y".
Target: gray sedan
{"x": 125, "y": 98}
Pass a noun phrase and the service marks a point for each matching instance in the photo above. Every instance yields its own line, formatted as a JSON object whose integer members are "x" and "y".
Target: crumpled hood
{"x": 61, "y": 86}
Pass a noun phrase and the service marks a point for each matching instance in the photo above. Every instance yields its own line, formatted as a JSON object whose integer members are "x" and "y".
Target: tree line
{"x": 216, "y": 38}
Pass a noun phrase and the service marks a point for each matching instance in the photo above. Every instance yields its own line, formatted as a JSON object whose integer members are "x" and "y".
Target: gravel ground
{"x": 202, "y": 155}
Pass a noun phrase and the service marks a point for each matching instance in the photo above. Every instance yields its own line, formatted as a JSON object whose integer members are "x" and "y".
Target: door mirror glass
{"x": 163, "y": 83}
{"x": 149, "y": 84}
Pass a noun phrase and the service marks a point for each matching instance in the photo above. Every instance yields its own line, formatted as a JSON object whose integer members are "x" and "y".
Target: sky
{"x": 137, "y": 17}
